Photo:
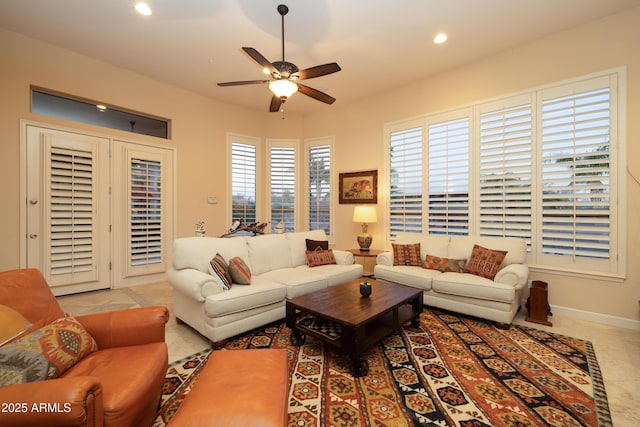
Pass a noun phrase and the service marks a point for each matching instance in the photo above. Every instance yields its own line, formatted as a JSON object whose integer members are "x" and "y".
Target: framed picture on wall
{"x": 359, "y": 187}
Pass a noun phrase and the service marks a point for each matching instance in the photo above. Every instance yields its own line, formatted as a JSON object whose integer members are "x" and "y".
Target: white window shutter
{"x": 405, "y": 181}
{"x": 283, "y": 187}
{"x": 319, "y": 167}
{"x": 243, "y": 182}
{"x": 448, "y": 176}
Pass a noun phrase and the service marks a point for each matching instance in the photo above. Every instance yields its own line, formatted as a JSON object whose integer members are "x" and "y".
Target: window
{"x": 576, "y": 175}
{"x": 541, "y": 166}
{"x": 145, "y": 207}
{"x": 505, "y": 168}
{"x": 243, "y": 178}
{"x": 448, "y": 177}
{"x": 282, "y": 159}
{"x": 319, "y": 184}
{"x": 405, "y": 181}
{"x": 95, "y": 113}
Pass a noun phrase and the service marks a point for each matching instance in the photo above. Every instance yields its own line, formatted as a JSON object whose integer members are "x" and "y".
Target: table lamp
{"x": 365, "y": 215}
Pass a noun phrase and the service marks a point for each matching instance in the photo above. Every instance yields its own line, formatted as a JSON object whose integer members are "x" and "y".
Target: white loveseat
{"x": 497, "y": 300}
{"x": 278, "y": 271}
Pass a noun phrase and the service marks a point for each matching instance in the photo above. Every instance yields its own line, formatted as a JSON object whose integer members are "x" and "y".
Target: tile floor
{"x": 617, "y": 349}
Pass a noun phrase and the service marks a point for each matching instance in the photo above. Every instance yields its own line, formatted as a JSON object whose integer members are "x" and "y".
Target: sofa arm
{"x": 343, "y": 257}
{"x": 194, "y": 283}
{"x": 513, "y": 274}
{"x": 123, "y": 328}
{"x": 385, "y": 258}
{"x": 74, "y": 401}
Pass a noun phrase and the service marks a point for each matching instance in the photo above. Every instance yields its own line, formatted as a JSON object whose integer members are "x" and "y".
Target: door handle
{"x": 33, "y": 236}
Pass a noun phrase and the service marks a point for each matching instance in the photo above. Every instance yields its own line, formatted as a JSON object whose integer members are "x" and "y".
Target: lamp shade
{"x": 283, "y": 88}
{"x": 365, "y": 214}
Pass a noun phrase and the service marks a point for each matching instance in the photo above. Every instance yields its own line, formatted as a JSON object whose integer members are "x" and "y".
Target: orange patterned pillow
{"x": 45, "y": 353}
{"x": 320, "y": 257}
{"x": 485, "y": 262}
{"x": 406, "y": 254}
{"x": 443, "y": 264}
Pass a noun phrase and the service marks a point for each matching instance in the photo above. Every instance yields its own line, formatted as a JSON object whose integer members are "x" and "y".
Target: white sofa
{"x": 497, "y": 300}
{"x": 278, "y": 271}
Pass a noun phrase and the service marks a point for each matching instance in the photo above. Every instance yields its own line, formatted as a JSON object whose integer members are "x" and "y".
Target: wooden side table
{"x": 538, "y": 303}
{"x": 372, "y": 253}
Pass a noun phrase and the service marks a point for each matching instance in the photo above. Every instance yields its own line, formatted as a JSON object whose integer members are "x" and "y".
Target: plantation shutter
{"x": 283, "y": 187}
{"x": 320, "y": 188}
{"x": 449, "y": 177}
{"x": 576, "y": 173}
{"x": 145, "y": 210}
{"x": 72, "y": 211}
{"x": 405, "y": 181}
{"x": 505, "y": 169}
{"x": 243, "y": 182}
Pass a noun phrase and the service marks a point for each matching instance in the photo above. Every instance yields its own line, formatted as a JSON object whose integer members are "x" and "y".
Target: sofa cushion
{"x": 443, "y": 264}
{"x": 433, "y": 245}
{"x": 298, "y": 244}
{"x": 319, "y": 257}
{"x": 484, "y": 262}
{"x": 408, "y": 254}
{"x": 269, "y": 252}
{"x": 335, "y": 273}
{"x": 263, "y": 291}
{"x": 462, "y": 246}
{"x": 472, "y": 286}
{"x": 420, "y": 278}
{"x": 196, "y": 252}
{"x": 239, "y": 271}
{"x": 220, "y": 268}
{"x": 45, "y": 353}
{"x": 297, "y": 281}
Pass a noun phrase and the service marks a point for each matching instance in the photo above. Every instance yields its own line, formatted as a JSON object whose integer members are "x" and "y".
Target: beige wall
{"x": 200, "y": 126}
{"x": 601, "y": 45}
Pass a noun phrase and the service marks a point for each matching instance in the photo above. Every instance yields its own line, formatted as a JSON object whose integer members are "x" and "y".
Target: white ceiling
{"x": 195, "y": 44}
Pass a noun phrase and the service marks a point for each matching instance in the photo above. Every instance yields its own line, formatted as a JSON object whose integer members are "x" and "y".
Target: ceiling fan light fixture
{"x": 283, "y": 88}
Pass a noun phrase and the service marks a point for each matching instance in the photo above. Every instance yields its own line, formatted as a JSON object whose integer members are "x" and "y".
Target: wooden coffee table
{"x": 341, "y": 317}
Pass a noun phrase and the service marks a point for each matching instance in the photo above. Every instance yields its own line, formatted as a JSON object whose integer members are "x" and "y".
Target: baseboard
{"x": 605, "y": 319}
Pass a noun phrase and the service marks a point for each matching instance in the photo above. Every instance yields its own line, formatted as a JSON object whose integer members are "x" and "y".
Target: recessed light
{"x": 101, "y": 108}
{"x": 440, "y": 38}
{"x": 143, "y": 8}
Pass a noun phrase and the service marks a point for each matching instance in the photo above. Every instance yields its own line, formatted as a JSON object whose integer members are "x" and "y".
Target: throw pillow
{"x": 320, "y": 257}
{"x": 220, "y": 268}
{"x": 239, "y": 271}
{"x": 45, "y": 353}
{"x": 443, "y": 264}
{"x": 485, "y": 262}
{"x": 312, "y": 245}
{"x": 406, "y": 254}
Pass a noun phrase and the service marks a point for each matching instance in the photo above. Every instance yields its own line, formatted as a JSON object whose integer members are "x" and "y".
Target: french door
{"x": 98, "y": 211}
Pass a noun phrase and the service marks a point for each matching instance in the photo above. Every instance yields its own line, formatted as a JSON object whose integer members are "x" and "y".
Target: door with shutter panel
{"x": 68, "y": 209}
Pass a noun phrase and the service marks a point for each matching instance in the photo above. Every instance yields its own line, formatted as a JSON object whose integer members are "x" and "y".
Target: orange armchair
{"x": 120, "y": 384}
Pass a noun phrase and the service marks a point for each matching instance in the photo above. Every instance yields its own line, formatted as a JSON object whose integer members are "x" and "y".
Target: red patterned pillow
{"x": 45, "y": 353}
{"x": 406, "y": 254}
{"x": 320, "y": 257}
{"x": 220, "y": 268}
{"x": 239, "y": 271}
{"x": 443, "y": 264}
{"x": 485, "y": 262}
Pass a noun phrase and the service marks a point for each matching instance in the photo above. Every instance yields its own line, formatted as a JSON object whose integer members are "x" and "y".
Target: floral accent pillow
{"x": 219, "y": 267}
{"x": 485, "y": 262}
{"x": 443, "y": 264}
{"x": 45, "y": 353}
{"x": 239, "y": 271}
{"x": 407, "y": 254}
{"x": 320, "y": 257}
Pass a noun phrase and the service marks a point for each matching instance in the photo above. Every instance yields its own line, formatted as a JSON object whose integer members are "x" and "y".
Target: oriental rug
{"x": 451, "y": 371}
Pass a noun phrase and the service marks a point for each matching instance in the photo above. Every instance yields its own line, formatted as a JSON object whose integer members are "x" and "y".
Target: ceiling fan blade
{"x": 275, "y": 104}
{"x": 244, "y": 82}
{"x": 316, "y": 94}
{"x": 257, "y": 56}
{"x": 318, "y": 71}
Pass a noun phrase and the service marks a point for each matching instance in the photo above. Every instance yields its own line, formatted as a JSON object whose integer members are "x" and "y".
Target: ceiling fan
{"x": 286, "y": 75}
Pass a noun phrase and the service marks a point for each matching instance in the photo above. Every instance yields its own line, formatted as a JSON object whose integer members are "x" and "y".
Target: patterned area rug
{"x": 451, "y": 371}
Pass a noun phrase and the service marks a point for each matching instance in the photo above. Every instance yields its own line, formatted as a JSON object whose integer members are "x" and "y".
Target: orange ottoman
{"x": 238, "y": 388}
